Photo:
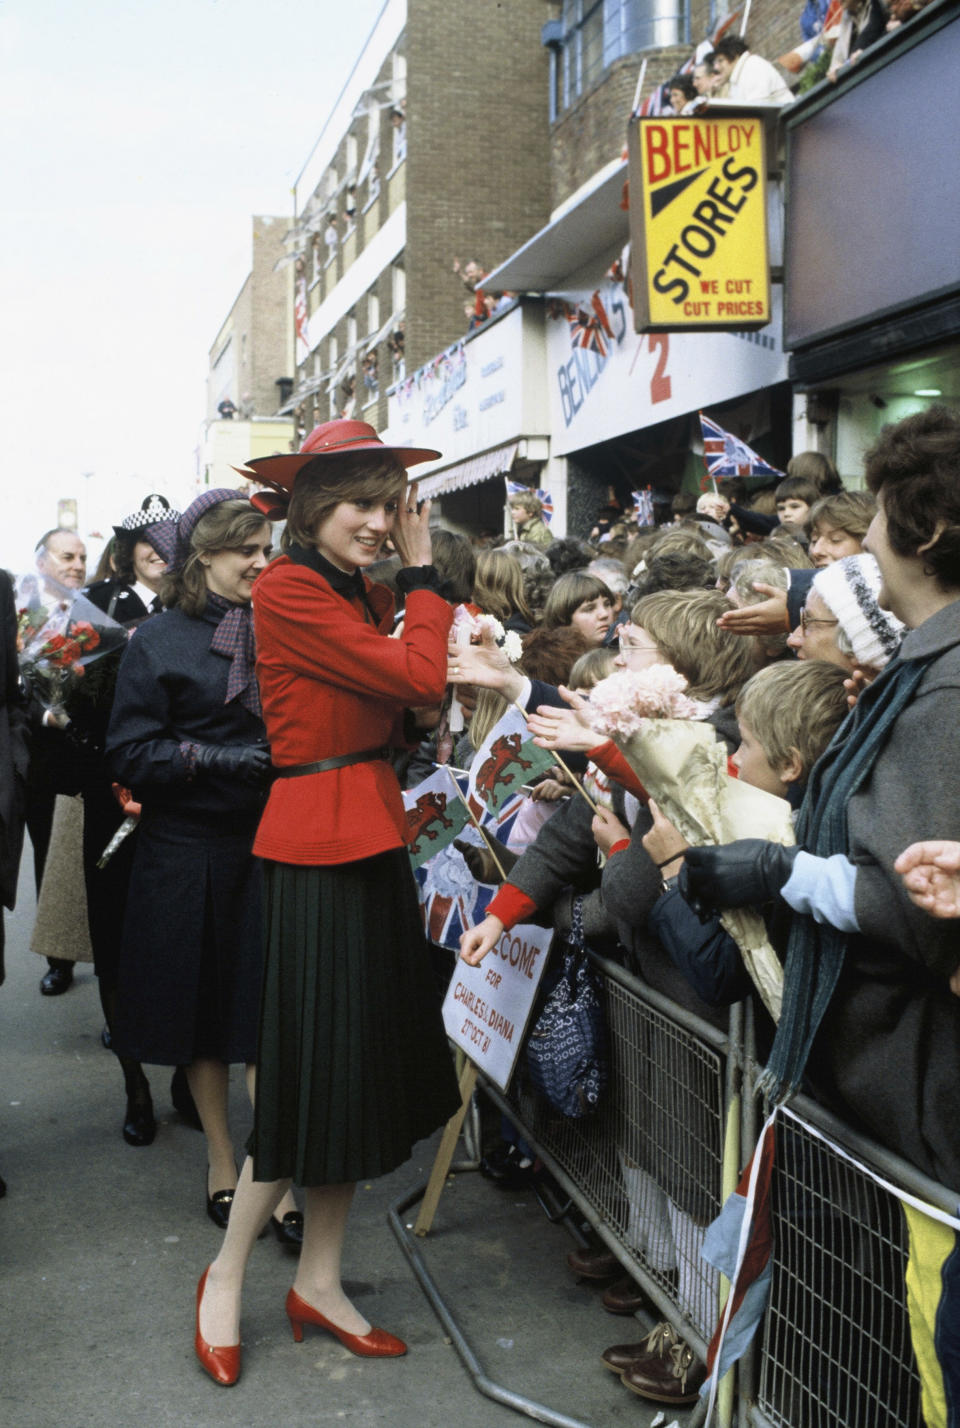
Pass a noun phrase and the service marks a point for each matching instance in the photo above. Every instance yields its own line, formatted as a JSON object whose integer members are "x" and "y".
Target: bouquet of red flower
{"x": 59, "y": 643}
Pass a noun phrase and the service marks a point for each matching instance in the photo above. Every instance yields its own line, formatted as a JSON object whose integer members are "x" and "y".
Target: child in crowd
{"x": 795, "y": 496}
{"x": 582, "y": 601}
{"x": 837, "y": 525}
{"x": 526, "y": 512}
{"x": 787, "y": 713}
{"x": 819, "y": 469}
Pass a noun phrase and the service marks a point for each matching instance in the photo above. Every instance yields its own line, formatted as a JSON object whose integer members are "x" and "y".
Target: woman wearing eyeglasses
{"x": 842, "y": 621}
{"x": 867, "y": 1000}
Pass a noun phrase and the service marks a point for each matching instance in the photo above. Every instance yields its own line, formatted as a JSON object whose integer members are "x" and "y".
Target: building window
{"x": 597, "y": 32}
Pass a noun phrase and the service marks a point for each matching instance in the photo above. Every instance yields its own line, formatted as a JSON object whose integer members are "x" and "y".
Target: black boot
{"x": 139, "y": 1126}
{"x": 183, "y": 1102}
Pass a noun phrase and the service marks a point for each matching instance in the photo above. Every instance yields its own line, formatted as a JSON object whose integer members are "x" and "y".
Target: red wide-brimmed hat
{"x": 332, "y": 438}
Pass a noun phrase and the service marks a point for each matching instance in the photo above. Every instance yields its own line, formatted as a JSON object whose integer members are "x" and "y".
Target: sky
{"x": 139, "y": 137}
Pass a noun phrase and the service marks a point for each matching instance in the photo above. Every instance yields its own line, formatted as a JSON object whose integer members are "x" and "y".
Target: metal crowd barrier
{"x": 835, "y": 1347}
{"x": 647, "y": 1171}
{"x": 652, "y": 1168}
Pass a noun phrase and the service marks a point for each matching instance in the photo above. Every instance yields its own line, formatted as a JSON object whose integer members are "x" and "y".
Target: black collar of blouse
{"x": 350, "y": 586}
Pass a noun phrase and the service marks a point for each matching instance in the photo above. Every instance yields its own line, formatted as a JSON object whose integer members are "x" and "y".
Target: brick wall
{"x": 478, "y": 152}
{"x": 592, "y": 132}
{"x": 270, "y": 347}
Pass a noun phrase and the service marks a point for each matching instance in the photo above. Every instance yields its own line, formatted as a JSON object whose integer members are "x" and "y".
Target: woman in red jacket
{"x": 353, "y": 1065}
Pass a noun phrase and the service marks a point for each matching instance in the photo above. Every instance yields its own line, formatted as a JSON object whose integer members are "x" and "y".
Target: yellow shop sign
{"x": 698, "y": 223}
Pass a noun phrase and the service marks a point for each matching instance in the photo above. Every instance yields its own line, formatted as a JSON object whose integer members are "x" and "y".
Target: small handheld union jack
{"x": 517, "y": 488}
{"x": 726, "y": 455}
{"x": 643, "y": 503}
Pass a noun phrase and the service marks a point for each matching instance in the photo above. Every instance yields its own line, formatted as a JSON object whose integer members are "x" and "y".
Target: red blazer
{"x": 331, "y": 684}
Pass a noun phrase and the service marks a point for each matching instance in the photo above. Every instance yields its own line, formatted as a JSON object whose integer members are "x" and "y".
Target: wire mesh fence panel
{"x": 649, "y": 1162}
{"x": 836, "y": 1349}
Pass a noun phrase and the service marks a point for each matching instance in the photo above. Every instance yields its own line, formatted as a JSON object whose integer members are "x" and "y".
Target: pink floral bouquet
{"x": 683, "y": 766}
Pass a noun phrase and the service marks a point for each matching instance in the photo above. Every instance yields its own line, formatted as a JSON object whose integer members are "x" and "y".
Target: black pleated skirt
{"x": 353, "y": 1066}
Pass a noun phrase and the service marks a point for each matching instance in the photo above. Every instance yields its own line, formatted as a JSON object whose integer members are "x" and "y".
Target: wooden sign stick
{"x": 569, "y": 773}
{"x": 448, "y": 1144}
{"x": 478, "y": 825}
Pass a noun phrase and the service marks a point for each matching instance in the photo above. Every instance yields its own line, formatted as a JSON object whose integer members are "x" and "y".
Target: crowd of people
{"x": 833, "y": 40}
{"x": 268, "y": 709}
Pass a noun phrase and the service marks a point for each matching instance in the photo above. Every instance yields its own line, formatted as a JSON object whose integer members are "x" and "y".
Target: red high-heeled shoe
{"x": 378, "y": 1344}
{"x": 222, "y": 1364}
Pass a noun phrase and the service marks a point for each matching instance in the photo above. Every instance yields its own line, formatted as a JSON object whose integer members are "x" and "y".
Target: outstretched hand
{"x": 485, "y": 665}
{"x": 477, "y": 941}
{"x": 769, "y": 617}
{"x": 931, "y": 876}
{"x": 556, "y": 728}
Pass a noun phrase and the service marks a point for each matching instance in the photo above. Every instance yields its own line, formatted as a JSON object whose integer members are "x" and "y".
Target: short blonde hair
{"x": 683, "y": 626}
{"x": 527, "y": 501}
{"x": 325, "y": 483}
{"x": 498, "y": 586}
{"x": 591, "y": 667}
{"x": 795, "y": 705}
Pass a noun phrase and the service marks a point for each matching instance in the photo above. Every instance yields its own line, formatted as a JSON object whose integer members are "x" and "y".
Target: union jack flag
{"x": 643, "y": 501}
{"x": 726, "y": 455}
{"x": 654, "y": 104}
{"x": 517, "y": 488}
{"x": 588, "y": 330}
{"x": 300, "y": 315}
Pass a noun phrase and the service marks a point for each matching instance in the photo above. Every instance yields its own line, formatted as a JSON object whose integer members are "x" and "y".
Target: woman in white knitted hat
{"x": 842, "y": 621}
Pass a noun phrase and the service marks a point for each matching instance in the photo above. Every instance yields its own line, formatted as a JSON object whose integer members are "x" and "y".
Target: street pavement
{"x": 101, "y": 1246}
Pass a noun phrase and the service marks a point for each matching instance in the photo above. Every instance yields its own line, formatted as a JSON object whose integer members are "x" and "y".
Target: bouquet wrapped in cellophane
{"x": 683, "y": 766}
{"x": 63, "y": 644}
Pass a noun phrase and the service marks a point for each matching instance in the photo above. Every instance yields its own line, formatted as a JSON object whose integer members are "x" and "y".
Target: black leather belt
{"x": 340, "y": 762}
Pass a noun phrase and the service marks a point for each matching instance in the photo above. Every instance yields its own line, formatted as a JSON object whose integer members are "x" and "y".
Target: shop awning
{"x": 591, "y": 226}
{"x": 470, "y": 472}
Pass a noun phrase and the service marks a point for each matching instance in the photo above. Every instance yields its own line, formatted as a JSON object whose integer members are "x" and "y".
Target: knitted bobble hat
{"x": 850, "y": 588}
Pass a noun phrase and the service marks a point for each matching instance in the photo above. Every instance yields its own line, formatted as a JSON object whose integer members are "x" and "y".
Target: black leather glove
{"x": 480, "y": 860}
{"x": 247, "y": 763}
{"x": 742, "y": 874}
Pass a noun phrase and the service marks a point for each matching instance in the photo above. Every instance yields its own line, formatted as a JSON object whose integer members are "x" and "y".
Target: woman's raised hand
{"x": 411, "y": 530}
{"x": 555, "y": 728}
{"x": 477, "y": 941}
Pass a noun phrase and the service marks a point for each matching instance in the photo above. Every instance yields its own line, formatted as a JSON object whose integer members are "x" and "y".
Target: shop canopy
{"x": 590, "y": 226}
{"x": 470, "y": 472}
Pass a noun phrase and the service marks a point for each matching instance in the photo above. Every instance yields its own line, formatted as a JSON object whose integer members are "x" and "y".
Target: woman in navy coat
{"x": 186, "y": 735}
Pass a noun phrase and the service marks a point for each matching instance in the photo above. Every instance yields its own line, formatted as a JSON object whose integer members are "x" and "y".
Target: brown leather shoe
{"x": 624, "y": 1296}
{"x": 593, "y": 1263}
{"x": 676, "y": 1378}
{"x": 660, "y": 1340}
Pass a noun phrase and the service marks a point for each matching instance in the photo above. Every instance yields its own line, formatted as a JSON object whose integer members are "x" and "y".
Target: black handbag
{"x": 567, "y": 1049}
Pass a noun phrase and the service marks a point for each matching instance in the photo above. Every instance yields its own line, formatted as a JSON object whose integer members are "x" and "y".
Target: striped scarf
{"x": 816, "y": 951}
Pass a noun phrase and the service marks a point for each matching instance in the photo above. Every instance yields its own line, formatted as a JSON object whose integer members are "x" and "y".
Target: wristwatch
{"x": 668, "y": 884}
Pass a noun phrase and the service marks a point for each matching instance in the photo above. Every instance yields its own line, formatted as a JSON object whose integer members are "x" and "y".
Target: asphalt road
{"x": 101, "y": 1246}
